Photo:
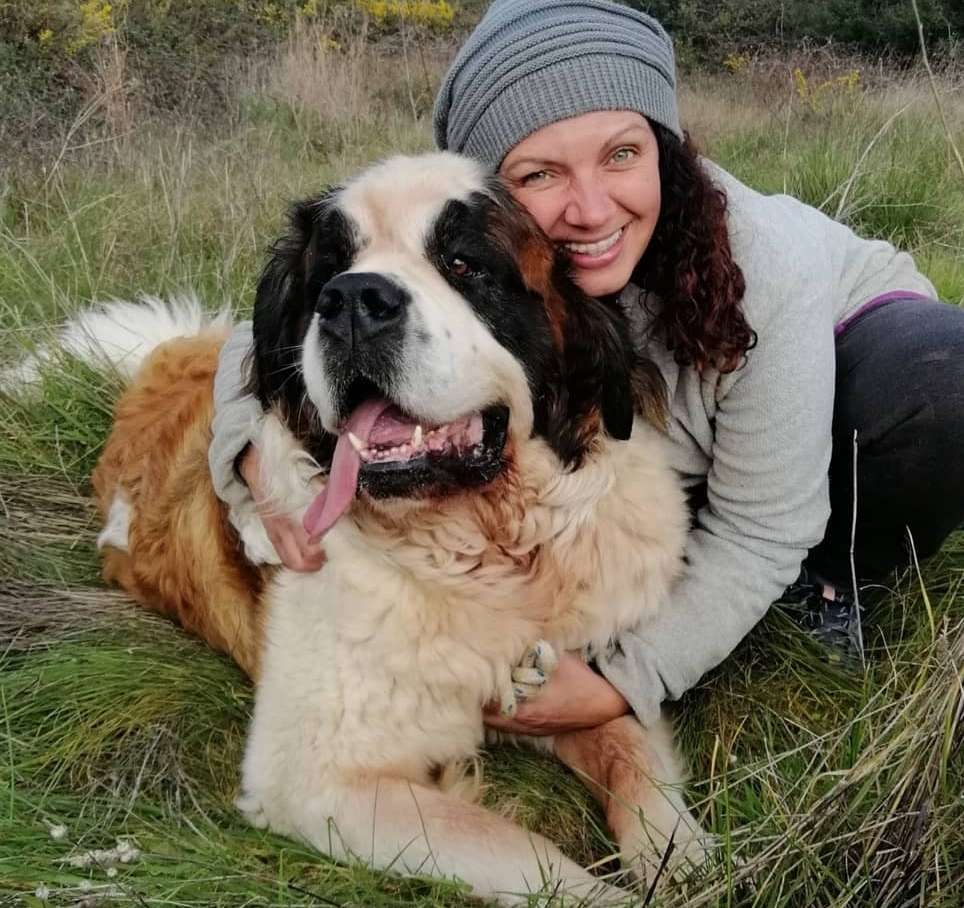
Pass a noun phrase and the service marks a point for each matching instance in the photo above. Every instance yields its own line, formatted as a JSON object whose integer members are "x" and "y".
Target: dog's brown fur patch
{"x": 184, "y": 559}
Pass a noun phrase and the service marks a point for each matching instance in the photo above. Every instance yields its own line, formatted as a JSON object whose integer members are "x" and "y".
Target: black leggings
{"x": 900, "y": 385}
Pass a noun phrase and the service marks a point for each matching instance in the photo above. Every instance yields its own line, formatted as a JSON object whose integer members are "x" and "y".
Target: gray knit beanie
{"x": 530, "y": 63}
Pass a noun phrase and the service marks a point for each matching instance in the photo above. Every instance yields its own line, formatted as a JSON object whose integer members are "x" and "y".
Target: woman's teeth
{"x": 595, "y": 248}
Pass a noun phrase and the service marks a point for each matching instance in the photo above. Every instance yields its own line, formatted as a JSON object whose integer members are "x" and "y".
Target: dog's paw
{"x": 654, "y": 858}
{"x": 537, "y": 666}
{"x": 525, "y": 680}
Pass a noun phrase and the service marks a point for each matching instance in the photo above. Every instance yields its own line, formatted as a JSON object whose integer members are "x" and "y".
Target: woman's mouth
{"x": 597, "y": 254}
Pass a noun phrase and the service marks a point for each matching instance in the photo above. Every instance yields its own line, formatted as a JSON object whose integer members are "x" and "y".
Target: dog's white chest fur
{"x": 370, "y": 676}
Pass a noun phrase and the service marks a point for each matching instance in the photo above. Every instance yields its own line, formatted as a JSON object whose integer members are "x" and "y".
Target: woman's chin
{"x": 602, "y": 281}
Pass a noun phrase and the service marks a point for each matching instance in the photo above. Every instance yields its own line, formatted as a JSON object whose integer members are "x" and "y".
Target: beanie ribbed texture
{"x": 530, "y": 63}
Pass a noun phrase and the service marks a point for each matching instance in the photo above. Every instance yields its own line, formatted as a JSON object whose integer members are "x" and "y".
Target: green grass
{"x": 826, "y": 786}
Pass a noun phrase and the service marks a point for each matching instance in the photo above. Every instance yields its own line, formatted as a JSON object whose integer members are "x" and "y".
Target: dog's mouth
{"x": 389, "y": 453}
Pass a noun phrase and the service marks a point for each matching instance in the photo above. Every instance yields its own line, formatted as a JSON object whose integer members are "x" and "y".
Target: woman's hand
{"x": 574, "y": 697}
{"x": 296, "y": 551}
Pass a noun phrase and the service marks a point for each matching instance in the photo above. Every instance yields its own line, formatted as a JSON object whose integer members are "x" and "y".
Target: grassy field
{"x": 826, "y": 785}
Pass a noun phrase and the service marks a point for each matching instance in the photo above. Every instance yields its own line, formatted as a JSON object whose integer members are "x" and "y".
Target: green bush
{"x": 175, "y": 52}
{"x": 61, "y": 58}
{"x": 867, "y": 25}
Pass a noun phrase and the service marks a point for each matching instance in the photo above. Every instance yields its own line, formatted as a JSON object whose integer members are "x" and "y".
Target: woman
{"x": 779, "y": 334}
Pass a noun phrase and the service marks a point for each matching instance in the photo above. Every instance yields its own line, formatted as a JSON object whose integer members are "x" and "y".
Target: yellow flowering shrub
{"x": 815, "y": 94}
{"x": 94, "y": 21}
{"x": 66, "y": 27}
{"x": 736, "y": 63}
{"x": 432, "y": 14}
{"x": 272, "y": 14}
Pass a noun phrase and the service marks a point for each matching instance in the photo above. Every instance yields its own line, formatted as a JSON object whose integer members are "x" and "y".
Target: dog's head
{"x": 414, "y": 321}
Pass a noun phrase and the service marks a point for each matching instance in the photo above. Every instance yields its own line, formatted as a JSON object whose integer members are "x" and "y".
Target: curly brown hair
{"x": 689, "y": 266}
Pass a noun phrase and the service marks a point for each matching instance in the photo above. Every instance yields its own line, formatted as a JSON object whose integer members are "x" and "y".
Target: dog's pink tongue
{"x": 342, "y": 484}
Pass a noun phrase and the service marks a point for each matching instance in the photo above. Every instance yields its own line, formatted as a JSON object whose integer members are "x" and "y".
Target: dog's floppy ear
{"x": 605, "y": 382}
{"x": 606, "y": 377}
{"x": 316, "y": 246}
{"x": 599, "y": 363}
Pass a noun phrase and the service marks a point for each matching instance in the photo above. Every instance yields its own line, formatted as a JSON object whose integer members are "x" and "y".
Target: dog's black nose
{"x": 356, "y": 306}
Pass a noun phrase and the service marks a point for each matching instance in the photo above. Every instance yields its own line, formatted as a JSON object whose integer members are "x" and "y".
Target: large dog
{"x": 419, "y": 345}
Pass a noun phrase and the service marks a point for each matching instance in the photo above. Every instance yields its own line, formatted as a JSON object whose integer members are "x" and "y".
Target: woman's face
{"x": 592, "y": 184}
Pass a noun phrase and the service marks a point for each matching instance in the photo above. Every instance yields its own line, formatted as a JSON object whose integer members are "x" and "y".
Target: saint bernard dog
{"x": 479, "y": 446}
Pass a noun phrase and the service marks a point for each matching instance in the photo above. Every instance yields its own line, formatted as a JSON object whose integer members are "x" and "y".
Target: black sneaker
{"x": 830, "y": 615}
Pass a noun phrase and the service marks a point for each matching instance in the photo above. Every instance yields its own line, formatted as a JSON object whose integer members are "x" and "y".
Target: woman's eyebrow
{"x": 528, "y": 162}
{"x": 623, "y": 133}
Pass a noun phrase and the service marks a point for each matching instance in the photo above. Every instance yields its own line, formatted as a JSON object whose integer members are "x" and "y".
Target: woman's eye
{"x": 537, "y": 176}
{"x": 622, "y": 155}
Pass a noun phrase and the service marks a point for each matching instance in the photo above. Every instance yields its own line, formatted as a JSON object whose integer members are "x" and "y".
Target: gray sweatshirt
{"x": 758, "y": 437}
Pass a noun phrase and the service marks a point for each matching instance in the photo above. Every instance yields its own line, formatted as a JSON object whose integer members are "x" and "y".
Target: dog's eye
{"x": 459, "y": 267}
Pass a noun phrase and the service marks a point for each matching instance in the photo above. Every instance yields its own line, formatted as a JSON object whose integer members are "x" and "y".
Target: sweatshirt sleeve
{"x": 237, "y": 418}
{"x": 768, "y": 504}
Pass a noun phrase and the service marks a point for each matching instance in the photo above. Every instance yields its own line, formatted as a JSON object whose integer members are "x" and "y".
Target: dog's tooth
{"x": 417, "y": 436}
{"x": 356, "y": 442}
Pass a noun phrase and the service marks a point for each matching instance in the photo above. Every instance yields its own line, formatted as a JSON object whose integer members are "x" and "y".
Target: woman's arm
{"x": 767, "y": 505}
{"x": 237, "y": 422}
{"x": 574, "y": 697}
{"x": 234, "y": 462}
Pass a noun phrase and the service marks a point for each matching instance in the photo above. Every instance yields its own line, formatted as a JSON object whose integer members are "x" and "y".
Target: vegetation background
{"x": 152, "y": 146}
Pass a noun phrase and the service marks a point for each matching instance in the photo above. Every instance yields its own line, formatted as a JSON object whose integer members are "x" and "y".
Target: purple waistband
{"x": 888, "y": 297}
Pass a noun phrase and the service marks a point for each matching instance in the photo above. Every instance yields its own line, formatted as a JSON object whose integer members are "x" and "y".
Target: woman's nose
{"x": 589, "y": 204}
